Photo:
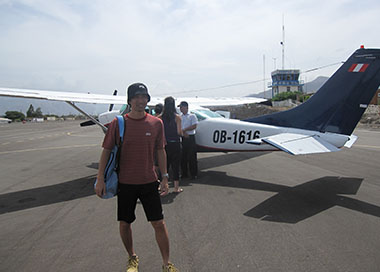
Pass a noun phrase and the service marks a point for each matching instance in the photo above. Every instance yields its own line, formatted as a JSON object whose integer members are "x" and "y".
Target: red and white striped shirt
{"x": 142, "y": 137}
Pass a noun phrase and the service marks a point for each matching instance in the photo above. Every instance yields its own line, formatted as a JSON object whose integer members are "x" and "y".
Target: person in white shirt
{"x": 189, "y": 148}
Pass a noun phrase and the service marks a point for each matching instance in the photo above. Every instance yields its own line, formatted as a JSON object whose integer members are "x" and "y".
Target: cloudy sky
{"x": 176, "y": 47}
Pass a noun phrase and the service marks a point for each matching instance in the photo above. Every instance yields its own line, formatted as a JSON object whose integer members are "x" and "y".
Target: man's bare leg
{"x": 162, "y": 239}
{"x": 126, "y": 237}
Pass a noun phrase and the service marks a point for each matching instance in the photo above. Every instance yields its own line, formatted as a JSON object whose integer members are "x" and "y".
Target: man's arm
{"x": 161, "y": 157}
{"x": 178, "y": 121}
{"x": 190, "y": 128}
{"x": 194, "y": 122}
{"x": 100, "y": 188}
{"x": 185, "y": 130}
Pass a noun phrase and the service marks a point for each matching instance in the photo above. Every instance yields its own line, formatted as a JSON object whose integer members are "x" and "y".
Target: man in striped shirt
{"x": 143, "y": 137}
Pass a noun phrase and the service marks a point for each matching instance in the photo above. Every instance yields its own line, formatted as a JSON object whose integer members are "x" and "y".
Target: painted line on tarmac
{"x": 47, "y": 148}
{"x": 371, "y": 131}
{"x": 79, "y": 134}
{"x": 367, "y": 146}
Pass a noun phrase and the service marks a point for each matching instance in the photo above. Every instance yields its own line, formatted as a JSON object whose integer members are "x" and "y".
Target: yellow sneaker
{"x": 133, "y": 264}
{"x": 169, "y": 268}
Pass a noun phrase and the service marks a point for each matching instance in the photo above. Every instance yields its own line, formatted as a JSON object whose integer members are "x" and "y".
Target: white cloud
{"x": 174, "y": 45}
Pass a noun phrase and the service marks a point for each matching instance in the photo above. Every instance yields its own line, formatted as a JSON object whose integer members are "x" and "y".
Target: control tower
{"x": 285, "y": 81}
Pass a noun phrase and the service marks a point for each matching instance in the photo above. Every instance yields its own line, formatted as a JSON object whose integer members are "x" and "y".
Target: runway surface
{"x": 245, "y": 212}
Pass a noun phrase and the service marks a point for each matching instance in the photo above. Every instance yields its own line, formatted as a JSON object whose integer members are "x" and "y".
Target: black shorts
{"x": 150, "y": 199}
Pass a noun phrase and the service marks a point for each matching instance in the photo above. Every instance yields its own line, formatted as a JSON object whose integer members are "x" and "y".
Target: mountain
{"x": 309, "y": 87}
{"x": 313, "y": 86}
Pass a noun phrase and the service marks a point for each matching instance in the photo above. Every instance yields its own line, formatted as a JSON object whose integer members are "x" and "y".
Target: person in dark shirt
{"x": 173, "y": 132}
{"x": 157, "y": 111}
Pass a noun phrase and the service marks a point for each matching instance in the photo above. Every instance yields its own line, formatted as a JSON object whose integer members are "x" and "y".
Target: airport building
{"x": 285, "y": 81}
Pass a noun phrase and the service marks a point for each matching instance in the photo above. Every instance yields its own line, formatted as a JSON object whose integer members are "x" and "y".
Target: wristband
{"x": 166, "y": 175}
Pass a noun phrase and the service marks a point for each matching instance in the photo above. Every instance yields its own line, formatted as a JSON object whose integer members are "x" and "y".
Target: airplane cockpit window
{"x": 199, "y": 116}
{"x": 203, "y": 114}
{"x": 210, "y": 113}
{"x": 124, "y": 109}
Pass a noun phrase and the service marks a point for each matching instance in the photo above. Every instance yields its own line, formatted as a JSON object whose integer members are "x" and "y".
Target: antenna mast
{"x": 264, "y": 74}
{"x": 283, "y": 42}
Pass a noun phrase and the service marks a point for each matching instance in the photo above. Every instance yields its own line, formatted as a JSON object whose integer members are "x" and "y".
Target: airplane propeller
{"x": 111, "y": 105}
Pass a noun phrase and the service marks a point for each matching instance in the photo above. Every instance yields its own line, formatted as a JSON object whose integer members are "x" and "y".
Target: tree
{"x": 30, "y": 111}
{"x": 15, "y": 115}
{"x": 285, "y": 95}
{"x": 299, "y": 96}
{"x": 34, "y": 113}
{"x": 38, "y": 113}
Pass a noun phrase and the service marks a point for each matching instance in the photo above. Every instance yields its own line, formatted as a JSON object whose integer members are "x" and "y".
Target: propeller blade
{"x": 111, "y": 105}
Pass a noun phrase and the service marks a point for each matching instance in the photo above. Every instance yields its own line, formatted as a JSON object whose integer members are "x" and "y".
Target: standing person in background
{"x": 144, "y": 135}
{"x": 158, "y": 109}
{"x": 173, "y": 131}
{"x": 189, "y": 147}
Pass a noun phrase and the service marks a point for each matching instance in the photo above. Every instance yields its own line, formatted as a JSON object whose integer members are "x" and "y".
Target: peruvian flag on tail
{"x": 358, "y": 67}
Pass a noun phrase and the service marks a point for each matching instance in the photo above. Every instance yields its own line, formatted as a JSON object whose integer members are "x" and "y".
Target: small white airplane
{"x": 324, "y": 123}
{"x": 5, "y": 120}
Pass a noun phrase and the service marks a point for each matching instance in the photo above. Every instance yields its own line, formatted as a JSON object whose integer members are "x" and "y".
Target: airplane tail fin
{"x": 340, "y": 103}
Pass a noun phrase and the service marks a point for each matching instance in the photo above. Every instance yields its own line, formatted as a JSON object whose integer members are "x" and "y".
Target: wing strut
{"x": 89, "y": 116}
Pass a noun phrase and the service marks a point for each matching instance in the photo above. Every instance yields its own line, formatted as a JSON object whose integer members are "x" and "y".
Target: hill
{"x": 309, "y": 87}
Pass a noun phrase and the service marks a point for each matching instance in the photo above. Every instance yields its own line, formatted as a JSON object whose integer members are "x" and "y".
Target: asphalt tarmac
{"x": 245, "y": 212}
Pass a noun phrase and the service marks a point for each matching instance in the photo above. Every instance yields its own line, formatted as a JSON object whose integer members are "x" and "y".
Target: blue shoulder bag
{"x": 111, "y": 171}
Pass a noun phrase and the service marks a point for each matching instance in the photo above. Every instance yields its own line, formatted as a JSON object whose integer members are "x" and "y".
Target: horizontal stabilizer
{"x": 298, "y": 144}
{"x": 351, "y": 141}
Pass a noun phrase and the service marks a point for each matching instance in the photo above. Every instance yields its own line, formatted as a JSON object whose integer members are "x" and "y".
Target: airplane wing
{"x": 73, "y": 97}
{"x": 220, "y": 101}
{"x": 111, "y": 99}
{"x": 64, "y": 96}
{"x": 297, "y": 144}
{"x": 68, "y": 97}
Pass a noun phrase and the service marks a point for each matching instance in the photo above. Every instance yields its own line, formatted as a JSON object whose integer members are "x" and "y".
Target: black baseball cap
{"x": 183, "y": 104}
{"x": 136, "y": 89}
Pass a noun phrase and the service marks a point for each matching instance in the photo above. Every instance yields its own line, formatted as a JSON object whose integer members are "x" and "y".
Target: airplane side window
{"x": 124, "y": 109}
{"x": 199, "y": 117}
{"x": 207, "y": 113}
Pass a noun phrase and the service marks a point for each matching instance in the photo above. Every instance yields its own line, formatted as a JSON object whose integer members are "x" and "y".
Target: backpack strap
{"x": 121, "y": 126}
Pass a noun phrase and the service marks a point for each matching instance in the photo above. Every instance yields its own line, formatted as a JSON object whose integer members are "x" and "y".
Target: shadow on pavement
{"x": 294, "y": 204}
{"x": 288, "y": 205}
{"x": 47, "y": 195}
{"x": 222, "y": 159}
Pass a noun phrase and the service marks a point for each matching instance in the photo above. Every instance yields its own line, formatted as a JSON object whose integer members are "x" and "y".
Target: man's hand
{"x": 164, "y": 186}
{"x": 100, "y": 188}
